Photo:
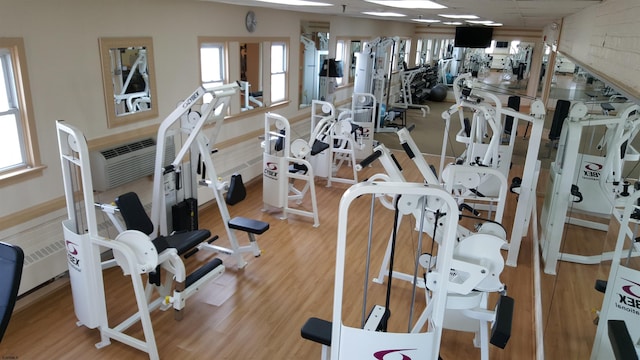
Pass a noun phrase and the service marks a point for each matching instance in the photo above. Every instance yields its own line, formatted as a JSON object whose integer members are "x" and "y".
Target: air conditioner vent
{"x": 127, "y": 148}
{"x": 128, "y": 162}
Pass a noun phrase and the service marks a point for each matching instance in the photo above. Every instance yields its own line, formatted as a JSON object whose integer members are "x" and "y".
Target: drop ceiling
{"x": 533, "y": 14}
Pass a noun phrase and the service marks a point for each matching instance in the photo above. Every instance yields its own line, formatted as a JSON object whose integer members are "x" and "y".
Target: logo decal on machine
{"x": 271, "y": 170}
{"x": 629, "y": 298}
{"x": 591, "y": 171}
{"x": 380, "y": 355}
{"x": 72, "y": 254}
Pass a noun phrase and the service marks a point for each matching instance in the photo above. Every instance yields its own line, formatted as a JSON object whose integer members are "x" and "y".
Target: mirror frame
{"x": 106, "y": 44}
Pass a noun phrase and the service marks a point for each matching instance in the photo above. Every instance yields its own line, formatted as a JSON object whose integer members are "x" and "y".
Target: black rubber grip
{"x": 371, "y": 158}
{"x": 411, "y": 127}
{"x": 408, "y": 150}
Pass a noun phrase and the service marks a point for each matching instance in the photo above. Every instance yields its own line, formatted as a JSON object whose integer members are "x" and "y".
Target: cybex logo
{"x": 382, "y": 355}
{"x": 629, "y": 298}
{"x": 72, "y": 254}
{"x": 271, "y": 170}
{"x": 592, "y": 170}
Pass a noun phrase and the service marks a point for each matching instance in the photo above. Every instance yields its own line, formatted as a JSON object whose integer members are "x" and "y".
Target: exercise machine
{"x": 134, "y": 252}
{"x": 359, "y": 342}
{"x": 201, "y": 123}
{"x": 451, "y": 301}
{"x": 587, "y": 183}
{"x": 495, "y": 154}
{"x": 283, "y": 163}
{"x": 251, "y": 98}
{"x": 619, "y": 319}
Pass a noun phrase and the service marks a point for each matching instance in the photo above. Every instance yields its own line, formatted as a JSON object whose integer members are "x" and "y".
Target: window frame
{"x": 31, "y": 165}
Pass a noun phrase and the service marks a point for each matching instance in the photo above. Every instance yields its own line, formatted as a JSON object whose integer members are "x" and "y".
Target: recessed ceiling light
{"x": 453, "y": 16}
{"x": 452, "y": 23}
{"x": 426, "y": 20}
{"x": 494, "y": 24}
{"x": 408, "y": 4}
{"x": 383, "y": 14}
{"x": 296, "y": 2}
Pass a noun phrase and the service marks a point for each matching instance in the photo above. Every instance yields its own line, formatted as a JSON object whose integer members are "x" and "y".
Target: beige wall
{"x": 605, "y": 39}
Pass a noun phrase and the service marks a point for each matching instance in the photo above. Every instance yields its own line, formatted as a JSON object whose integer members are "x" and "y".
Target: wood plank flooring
{"x": 257, "y": 312}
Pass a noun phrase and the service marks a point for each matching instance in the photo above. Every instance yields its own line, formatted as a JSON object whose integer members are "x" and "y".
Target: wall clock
{"x": 250, "y": 21}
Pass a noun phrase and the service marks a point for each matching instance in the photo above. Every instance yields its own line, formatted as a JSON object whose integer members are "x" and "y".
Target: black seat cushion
{"x": 182, "y": 241}
{"x": 11, "y": 262}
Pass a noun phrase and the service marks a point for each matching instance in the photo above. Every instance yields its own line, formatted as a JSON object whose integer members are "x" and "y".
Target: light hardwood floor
{"x": 257, "y": 312}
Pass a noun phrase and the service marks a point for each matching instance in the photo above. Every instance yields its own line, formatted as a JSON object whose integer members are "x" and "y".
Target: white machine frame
{"x": 277, "y": 181}
{"x": 567, "y": 170}
{"x": 527, "y": 188}
{"x": 199, "y": 144}
{"x": 621, "y": 296}
{"x": 133, "y": 252}
{"x": 357, "y": 343}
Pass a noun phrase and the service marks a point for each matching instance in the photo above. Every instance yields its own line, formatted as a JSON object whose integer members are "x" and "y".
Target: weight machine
{"x": 587, "y": 183}
{"x": 133, "y": 251}
{"x": 495, "y": 154}
{"x": 283, "y": 163}
{"x": 201, "y": 123}
{"x": 373, "y": 75}
{"x": 137, "y": 252}
{"x": 620, "y": 304}
{"x": 451, "y": 301}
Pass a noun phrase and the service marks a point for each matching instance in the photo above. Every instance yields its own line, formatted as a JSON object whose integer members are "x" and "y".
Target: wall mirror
{"x": 314, "y": 49}
{"x": 346, "y": 48}
{"x": 251, "y": 76}
{"x": 128, "y": 79}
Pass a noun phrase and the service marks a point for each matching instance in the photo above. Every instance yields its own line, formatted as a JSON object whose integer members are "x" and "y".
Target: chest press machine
{"x": 587, "y": 183}
{"x": 136, "y": 252}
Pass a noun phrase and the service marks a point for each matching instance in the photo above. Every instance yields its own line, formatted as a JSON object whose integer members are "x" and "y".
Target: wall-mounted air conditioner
{"x": 125, "y": 163}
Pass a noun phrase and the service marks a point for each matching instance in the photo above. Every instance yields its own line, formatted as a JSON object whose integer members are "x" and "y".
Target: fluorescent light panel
{"x": 480, "y": 22}
{"x": 408, "y": 4}
{"x": 426, "y": 20}
{"x": 452, "y": 23}
{"x": 295, "y": 2}
{"x": 454, "y": 16}
{"x": 383, "y": 14}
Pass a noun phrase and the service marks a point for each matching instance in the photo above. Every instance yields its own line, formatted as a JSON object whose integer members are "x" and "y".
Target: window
{"x": 212, "y": 66}
{"x": 278, "y": 72}
{"x": 17, "y": 136}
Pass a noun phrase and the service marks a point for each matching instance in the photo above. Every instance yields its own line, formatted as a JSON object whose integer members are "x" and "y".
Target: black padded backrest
{"x": 237, "y": 191}
{"x": 513, "y": 103}
{"x": 11, "y": 262}
{"x": 561, "y": 113}
{"x": 133, "y": 213}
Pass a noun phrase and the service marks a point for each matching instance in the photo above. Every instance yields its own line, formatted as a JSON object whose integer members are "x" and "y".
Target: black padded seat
{"x": 248, "y": 225}
{"x": 11, "y": 263}
{"x": 181, "y": 241}
{"x": 317, "y": 330}
{"x": 135, "y": 218}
